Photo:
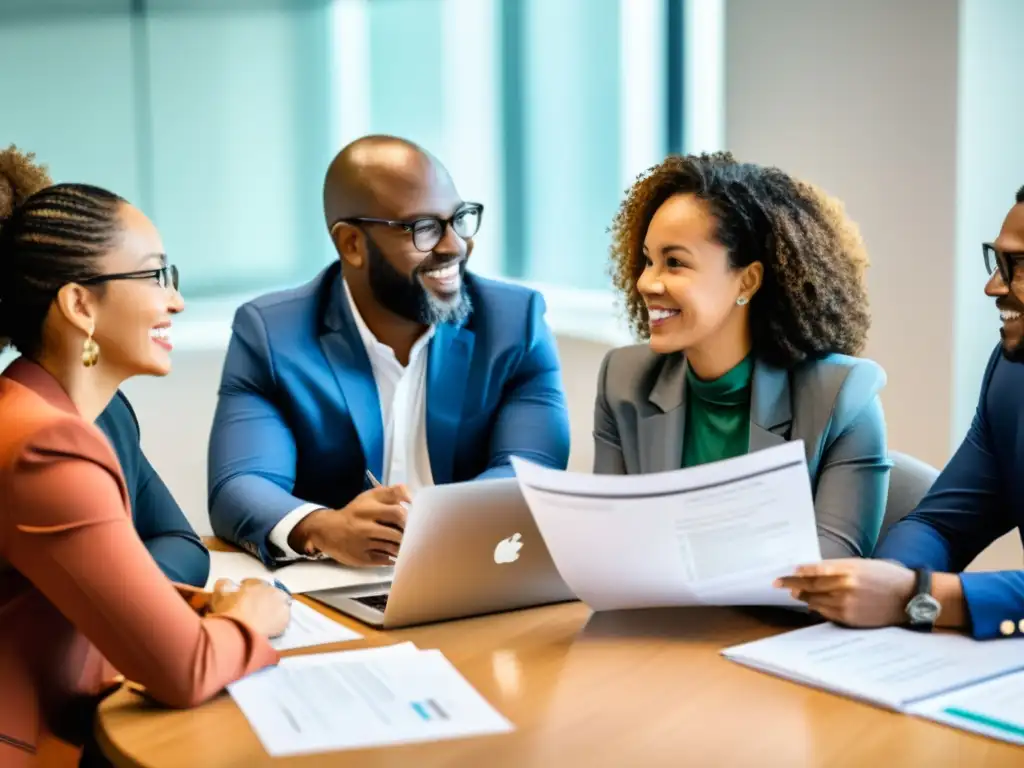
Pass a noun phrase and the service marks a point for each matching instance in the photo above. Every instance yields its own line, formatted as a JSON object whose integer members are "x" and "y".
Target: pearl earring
{"x": 742, "y": 300}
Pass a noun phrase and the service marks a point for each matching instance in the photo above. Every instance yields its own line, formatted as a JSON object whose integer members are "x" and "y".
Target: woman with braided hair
{"x": 158, "y": 519}
{"x": 749, "y": 287}
{"x": 86, "y": 297}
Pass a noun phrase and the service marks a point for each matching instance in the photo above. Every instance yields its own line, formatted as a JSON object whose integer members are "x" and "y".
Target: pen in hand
{"x": 375, "y": 483}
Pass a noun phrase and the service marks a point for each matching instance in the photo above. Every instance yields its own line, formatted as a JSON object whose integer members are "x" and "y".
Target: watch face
{"x": 923, "y": 608}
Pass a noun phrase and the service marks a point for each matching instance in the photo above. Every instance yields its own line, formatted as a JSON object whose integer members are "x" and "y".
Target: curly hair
{"x": 50, "y": 235}
{"x": 1020, "y": 195}
{"x": 813, "y": 298}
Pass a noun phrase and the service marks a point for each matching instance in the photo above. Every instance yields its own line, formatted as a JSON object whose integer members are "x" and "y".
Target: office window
{"x": 428, "y": 70}
{"x": 66, "y": 76}
{"x": 239, "y": 139}
{"x": 219, "y": 117}
{"x": 212, "y": 116}
{"x": 566, "y": 109}
{"x": 524, "y": 101}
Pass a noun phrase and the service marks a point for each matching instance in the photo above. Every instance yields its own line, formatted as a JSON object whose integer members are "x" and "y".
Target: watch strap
{"x": 923, "y": 582}
{"x": 922, "y": 590}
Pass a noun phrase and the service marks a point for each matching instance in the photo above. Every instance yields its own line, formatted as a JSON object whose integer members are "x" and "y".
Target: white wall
{"x": 861, "y": 98}
{"x": 910, "y": 112}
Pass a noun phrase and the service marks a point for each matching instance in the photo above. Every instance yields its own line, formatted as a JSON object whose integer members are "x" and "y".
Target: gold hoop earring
{"x": 90, "y": 351}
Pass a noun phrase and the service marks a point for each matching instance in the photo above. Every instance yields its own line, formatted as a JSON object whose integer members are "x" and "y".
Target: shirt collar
{"x": 731, "y": 388}
{"x": 370, "y": 341}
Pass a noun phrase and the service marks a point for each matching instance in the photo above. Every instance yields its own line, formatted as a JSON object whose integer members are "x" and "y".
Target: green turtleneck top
{"x": 717, "y": 415}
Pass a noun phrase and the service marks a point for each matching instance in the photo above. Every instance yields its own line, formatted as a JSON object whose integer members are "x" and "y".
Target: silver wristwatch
{"x": 923, "y": 609}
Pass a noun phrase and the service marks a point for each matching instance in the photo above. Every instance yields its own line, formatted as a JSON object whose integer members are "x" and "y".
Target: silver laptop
{"x": 468, "y": 549}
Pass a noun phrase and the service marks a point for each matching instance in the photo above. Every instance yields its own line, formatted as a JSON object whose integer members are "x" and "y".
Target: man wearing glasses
{"x": 393, "y": 369}
{"x": 916, "y": 578}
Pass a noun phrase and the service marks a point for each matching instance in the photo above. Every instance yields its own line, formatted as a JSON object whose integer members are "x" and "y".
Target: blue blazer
{"x": 977, "y": 498}
{"x": 158, "y": 519}
{"x": 298, "y": 417}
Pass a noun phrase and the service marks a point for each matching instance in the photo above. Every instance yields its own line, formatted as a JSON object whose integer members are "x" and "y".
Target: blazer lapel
{"x": 661, "y": 431}
{"x": 449, "y": 356}
{"x": 351, "y": 368}
{"x": 770, "y": 410}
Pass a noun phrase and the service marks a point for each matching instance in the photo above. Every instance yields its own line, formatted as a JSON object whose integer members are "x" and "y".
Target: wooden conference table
{"x": 645, "y": 688}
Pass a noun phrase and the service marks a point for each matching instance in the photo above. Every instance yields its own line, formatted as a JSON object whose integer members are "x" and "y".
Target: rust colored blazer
{"x": 82, "y": 602}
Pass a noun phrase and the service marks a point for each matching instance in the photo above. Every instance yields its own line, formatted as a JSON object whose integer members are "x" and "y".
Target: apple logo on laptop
{"x": 507, "y": 550}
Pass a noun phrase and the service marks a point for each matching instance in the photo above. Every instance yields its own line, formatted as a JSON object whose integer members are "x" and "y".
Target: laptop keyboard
{"x": 374, "y": 601}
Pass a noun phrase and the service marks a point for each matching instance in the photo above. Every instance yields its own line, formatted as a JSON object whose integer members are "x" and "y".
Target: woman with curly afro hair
{"x": 749, "y": 286}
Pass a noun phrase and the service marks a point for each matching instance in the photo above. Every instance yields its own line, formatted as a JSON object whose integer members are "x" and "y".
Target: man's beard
{"x": 1015, "y": 353}
{"x": 407, "y": 297}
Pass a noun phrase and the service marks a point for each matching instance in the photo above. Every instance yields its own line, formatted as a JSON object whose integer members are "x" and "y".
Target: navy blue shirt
{"x": 977, "y": 498}
{"x": 158, "y": 519}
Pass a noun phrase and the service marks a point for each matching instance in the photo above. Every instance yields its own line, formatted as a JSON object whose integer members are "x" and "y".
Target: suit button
{"x": 1021, "y": 625}
{"x": 1007, "y": 628}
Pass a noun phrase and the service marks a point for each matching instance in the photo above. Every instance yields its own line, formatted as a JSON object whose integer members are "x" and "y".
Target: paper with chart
{"x": 994, "y": 708}
{"x": 365, "y": 698}
{"x": 303, "y": 576}
{"x": 717, "y": 534}
{"x": 892, "y": 667}
{"x": 309, "y": 627}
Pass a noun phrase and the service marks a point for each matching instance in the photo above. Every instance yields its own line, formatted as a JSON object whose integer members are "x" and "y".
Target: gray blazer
{"x": 830, "y": 404}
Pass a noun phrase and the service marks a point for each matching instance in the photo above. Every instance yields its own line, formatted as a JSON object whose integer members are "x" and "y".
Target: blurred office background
{"x": 218, "y": 118}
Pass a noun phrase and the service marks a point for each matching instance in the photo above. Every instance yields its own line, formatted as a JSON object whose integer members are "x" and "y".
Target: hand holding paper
{"x": 871, "y": 593}
{"x": 854, "y": 592}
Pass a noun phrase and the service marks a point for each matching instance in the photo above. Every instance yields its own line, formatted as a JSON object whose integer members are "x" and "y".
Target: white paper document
{"x": 994, "y": 708}
{"x": 365, "y": 698}
{"x": 717, "y": 534}
{"x": 892, "y": 667}
{"x": 309, "y": 627}
{"x": 300, "y": 577}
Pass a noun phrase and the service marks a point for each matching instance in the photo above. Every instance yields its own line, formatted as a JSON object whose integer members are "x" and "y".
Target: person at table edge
{"x": 85, "y": 293}
{"x": 918, "y": 578}
{"x": 158, "y": 519}
{"x": 394, "y": 366}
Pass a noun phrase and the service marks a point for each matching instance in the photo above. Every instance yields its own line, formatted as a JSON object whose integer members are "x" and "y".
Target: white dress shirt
{"x": 402, "y": 393}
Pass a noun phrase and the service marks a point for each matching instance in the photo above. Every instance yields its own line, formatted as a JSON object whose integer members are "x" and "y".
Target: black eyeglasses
{"x": 428, "y": 231}
{"x": 1005, "y": 261}
{"x": 166, "y": 277}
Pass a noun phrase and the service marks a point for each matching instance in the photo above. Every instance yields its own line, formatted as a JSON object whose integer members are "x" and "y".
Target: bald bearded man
{"x": 393, "y": 366}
